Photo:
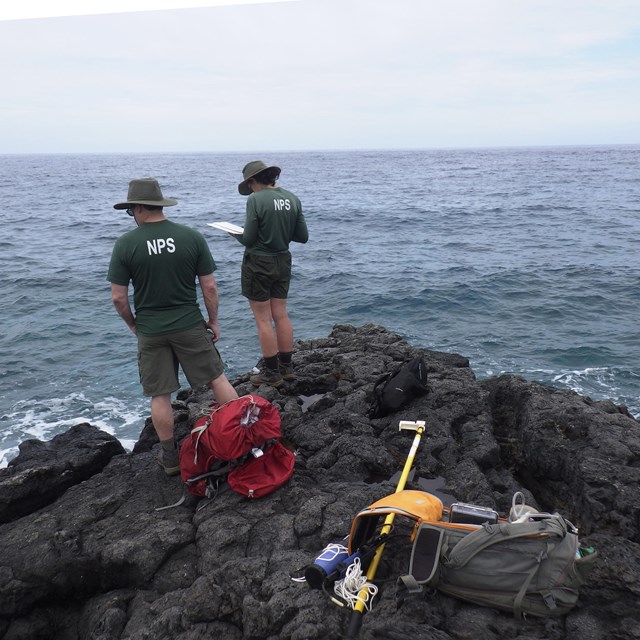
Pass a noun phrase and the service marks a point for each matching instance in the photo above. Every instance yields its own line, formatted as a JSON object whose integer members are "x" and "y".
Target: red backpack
{"x": 237, "y": 440}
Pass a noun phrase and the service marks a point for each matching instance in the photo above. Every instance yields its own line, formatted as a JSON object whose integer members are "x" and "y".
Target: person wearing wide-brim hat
{"x": 145, "y": 191}
{"x": 162, "y": 260}
{"x": 273, "y": 220}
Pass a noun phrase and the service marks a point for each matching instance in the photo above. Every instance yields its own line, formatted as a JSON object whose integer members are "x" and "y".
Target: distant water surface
{"x": 524, "y": 260}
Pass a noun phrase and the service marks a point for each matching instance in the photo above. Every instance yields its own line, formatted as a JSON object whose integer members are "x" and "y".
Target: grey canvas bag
{"x": 532, "y": 567}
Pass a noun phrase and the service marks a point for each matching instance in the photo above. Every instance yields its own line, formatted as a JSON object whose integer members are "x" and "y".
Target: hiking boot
{"x": 267, "y": 376}
{"x": 169, "y": 461}
{"x": 286, "y": 371}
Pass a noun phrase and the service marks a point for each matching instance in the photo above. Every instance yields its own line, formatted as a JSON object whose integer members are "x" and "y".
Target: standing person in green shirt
{"x": 274, "y": 219}
{"x": 162, "y": 260}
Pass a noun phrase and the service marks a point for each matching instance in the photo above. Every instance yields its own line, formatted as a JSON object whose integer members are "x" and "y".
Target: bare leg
{"x": 162, "y": 416}
{"x": 222, "y": 389}
{"x": 266, "y": 334}
{"x": 284, "y": 330}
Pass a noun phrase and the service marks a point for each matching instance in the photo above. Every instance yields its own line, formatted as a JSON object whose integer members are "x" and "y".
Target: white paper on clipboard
{"x": 226, "y": 226}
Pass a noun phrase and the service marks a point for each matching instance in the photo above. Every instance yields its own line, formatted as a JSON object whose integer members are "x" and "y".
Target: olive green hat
{"x": 251, "y": 170}
{"x": 145, "y": 191}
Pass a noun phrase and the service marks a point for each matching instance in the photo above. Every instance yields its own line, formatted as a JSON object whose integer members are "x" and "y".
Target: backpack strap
{"x": 384, "y": 377}
{"x": 491, "y": 534}
{"x": 407, "y": 584}
{"x": 175, "y": 504}
{"x": 517, "y": 602}
{"x": 221, "y": 468}
{"x": 375, "y": 410}
{"x": 248, "y": 418}
{"x": 426, "y": 552}
{"x": 200, "y": 429}
{"x": 255, "y": 452}
{"x": 218, "y": 472}
{"x": 425, "y": 555}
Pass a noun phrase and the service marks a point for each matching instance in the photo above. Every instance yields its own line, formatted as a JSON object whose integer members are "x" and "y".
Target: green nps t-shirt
{"x": 274, "y": 219}
{"x": 162, "y": 260}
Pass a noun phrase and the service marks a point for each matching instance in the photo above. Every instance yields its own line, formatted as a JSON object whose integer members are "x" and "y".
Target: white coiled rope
{"x": 354, "y": 587}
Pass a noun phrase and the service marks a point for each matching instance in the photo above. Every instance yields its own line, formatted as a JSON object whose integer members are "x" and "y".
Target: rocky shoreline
{"x": 85, "y": 555}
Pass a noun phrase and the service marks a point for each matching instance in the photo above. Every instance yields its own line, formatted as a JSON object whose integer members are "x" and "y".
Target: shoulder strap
{"x": 375, "y": 409}
{"x": 488, "y": 535}
{"x": 425, "y": 553}
{"x": 382, "y": 379}
{"x": 425, "y": 557}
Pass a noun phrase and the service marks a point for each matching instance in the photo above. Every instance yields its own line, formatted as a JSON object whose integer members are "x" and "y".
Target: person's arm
{"x": 301, "y": 233}
{"x": 120, "y": 299}
{"x": 210, "y": 296}
{"x": 250, "y": 234}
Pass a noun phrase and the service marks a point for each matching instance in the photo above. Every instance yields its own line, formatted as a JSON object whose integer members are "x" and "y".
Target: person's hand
{"x": 214, "y": 330}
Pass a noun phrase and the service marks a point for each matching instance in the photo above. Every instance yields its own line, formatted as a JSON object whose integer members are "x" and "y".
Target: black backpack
{"x": 395, "y": 389}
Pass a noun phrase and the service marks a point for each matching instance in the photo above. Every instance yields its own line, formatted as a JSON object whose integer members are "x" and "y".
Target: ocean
{"x": 524, "y": 260}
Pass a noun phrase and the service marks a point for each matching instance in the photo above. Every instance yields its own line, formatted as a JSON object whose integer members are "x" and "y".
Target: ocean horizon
{"x": 522, "y": 259}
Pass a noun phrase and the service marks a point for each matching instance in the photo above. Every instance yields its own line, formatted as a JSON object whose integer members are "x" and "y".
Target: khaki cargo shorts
{"x": 265, "y": 277}
{"x": 159, "y": 357}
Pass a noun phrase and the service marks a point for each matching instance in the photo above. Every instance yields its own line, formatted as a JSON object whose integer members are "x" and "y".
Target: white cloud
{"x": 324, "y": 74}
{"x": 30, "y": 9}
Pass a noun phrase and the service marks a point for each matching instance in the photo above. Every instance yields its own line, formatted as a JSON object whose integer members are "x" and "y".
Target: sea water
{"x": 524, "y": 260}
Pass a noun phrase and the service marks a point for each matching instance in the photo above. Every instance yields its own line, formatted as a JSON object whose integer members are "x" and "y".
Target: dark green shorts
{"x": 159, "y": 357}
{"x": 265, "y": 277}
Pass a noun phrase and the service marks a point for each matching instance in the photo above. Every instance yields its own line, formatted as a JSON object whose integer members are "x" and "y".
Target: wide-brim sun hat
{"x": 251, "y": 170}
{"x": 145, "y": 191}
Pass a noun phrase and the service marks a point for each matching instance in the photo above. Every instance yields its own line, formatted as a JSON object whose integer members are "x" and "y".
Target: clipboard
{"x": 227, "y": 226}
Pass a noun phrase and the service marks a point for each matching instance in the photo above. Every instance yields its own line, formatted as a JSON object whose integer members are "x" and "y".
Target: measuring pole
{"x": 359, "y": 607}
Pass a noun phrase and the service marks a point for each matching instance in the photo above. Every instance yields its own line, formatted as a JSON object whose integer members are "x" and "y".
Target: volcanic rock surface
{"x": 84, "y": 555}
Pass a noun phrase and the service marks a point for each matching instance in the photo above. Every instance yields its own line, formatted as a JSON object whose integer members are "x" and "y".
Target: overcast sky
{"x": 320, "y": 74}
